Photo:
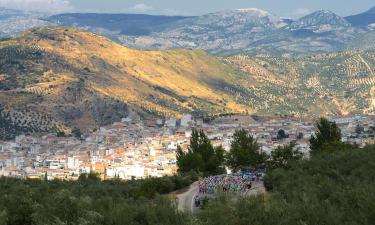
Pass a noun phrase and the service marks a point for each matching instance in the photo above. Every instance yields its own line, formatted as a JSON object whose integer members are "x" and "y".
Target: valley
{"x": 187, "y": 112}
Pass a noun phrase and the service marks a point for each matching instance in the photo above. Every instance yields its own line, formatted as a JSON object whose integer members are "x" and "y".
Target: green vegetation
{"x": 90, "y": 201}
{"x": 335, "y": 189}
{"x": 284, "y": 157}
{"x": 206, "y": 160}
{"x": 201, "y": 157}
{"x": 330, "y": 188}
{"x": 13, "y": 123}
{"x": 244, "y": 152}
{"x": 328, "y": 133}
{"x": 281, "y": 134}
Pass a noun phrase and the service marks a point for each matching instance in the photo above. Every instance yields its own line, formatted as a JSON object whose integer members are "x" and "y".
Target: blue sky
{"x": 287, "y": 8}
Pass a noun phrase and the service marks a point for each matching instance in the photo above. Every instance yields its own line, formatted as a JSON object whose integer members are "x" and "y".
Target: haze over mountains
{"x": 14, "y": 21}
{"x": 365, "y": 20}
{"x": 253, "y": 31}
{"x": 249, "y": 31}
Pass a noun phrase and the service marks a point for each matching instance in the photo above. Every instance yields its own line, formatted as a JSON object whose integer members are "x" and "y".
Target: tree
{"x": 201, "y": 157}
{"x": 60, "y": 133}
{"x": 3, "y": 217}
{"x": 244, "y": 152}
{"x": 77, "y": 133}
{"x": 359, "y": 129}
{"x": 283, "y": 157}
{"x": 281, "y": 134}
{"x": 328, "y": 133}
{"x": 189, "y": 161}
{"x": 300, "y": 136}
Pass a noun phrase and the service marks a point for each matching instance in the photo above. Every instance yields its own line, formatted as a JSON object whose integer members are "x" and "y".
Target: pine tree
{"x": 283, "y": 157}
{"x": 244, "y": 151}
{"x": 201, "y": 156}
{"x": 328, "y": 133}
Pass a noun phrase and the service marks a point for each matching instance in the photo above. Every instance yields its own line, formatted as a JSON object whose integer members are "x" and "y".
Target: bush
{"x": 90, "y": 201}
{"x": 329, "y": 188}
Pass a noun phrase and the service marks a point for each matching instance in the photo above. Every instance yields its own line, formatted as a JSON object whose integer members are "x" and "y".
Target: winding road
{"x": 186, "y": 200}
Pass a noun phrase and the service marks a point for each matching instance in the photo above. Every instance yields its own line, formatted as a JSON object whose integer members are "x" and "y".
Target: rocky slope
{"x": 248, "y": 31}
{"x": 85, "y": 80}
{"x": 252, "y": 31}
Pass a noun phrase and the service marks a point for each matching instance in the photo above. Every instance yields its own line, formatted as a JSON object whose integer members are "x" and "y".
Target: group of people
{"x": 227, "y": 183}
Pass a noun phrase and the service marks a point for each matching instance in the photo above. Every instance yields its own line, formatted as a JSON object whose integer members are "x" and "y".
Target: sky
{"x": 285, "y": 8}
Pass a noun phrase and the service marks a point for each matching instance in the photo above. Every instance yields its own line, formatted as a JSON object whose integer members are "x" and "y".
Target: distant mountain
{"x": 9, "y": 13}
{"x": 124, "y": 24}
{"x": 252, "y": 31}
{"x": 321, "y": 21}
{"x": 14, "y": 21}
{"x": 217, "y": 32}
{"x": 363, "y": 20}
{"x": 12, "y": 26}
{"x": 243, "y": 31}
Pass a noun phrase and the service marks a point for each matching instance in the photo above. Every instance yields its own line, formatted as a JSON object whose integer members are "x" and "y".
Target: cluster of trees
{"x": 329, "y": 188}
{"x": 245, "y": 153}
{"x": 201, "y": 157}
{"x": 8, "y": 130}
{"x": 91, "y": 201}
{"x": 207, "y": 160}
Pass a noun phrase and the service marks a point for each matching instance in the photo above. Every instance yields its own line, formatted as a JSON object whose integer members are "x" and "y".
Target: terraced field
{"x": 339, "y": 83}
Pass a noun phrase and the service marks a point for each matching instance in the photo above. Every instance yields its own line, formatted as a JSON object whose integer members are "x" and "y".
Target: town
{"x": 136, "y": 148}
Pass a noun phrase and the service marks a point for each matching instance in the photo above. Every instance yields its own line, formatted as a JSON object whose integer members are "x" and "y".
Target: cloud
{"x": 38, "y": 5}
{"x": 140, "y": 8}
{"x": 173, "y": 12}
{"x": 301, "y": 12}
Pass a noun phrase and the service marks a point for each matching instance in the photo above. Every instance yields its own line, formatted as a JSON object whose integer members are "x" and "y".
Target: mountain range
{"x": 15, "y": 21}
{"x": 243, "y": 31}
{"x": 365, "y": 20}
{"x": 247, "y": 31}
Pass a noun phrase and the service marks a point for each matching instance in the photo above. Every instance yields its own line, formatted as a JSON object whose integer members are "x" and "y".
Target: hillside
{"x": 366, "y": 41}
{"x": 55, "y": 79}
{"x": 365, "y": 19}
{"x": 338, "y": 83}
{"x": 85, "y": 80}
